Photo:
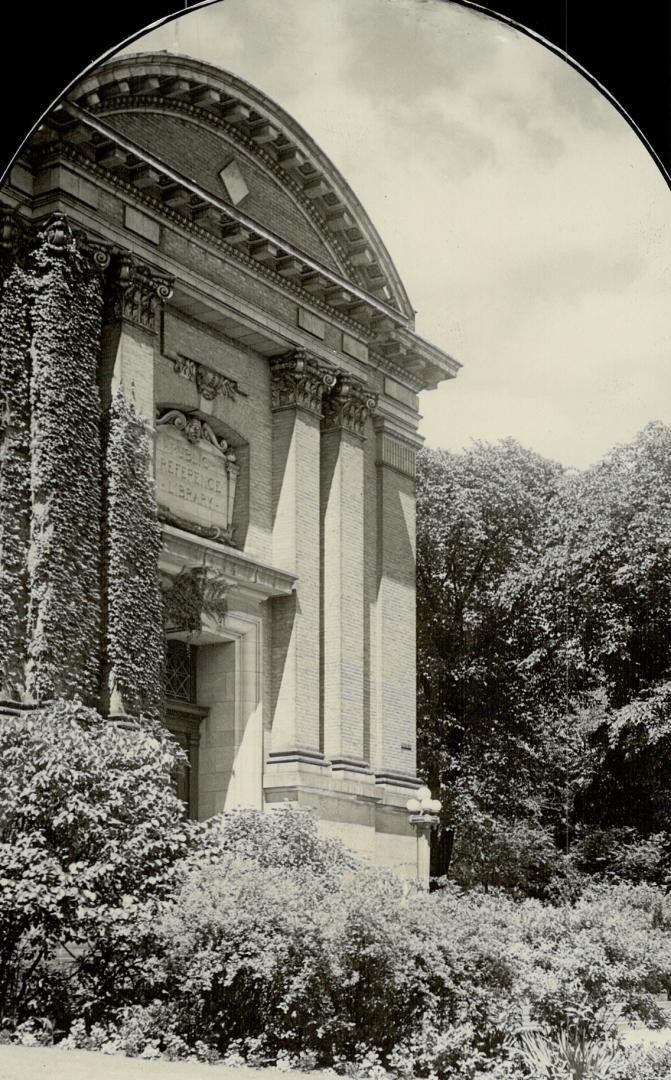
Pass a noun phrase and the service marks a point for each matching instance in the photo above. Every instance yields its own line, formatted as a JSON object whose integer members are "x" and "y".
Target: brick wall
{"x": 200, "y": 154}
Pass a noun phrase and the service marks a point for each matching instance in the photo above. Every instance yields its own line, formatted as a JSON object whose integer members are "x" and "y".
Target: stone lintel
{"x": 256, "y": 580}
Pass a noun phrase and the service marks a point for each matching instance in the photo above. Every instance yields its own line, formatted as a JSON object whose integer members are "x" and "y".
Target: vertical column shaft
{"x": 297, "y": 387}
{"x": 346, "y": 410}
{"x": 126, "y": 377}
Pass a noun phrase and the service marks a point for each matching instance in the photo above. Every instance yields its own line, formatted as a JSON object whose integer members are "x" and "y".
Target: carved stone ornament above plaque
{"x": 196, "y": 476}
{"x": 209, "y": 383}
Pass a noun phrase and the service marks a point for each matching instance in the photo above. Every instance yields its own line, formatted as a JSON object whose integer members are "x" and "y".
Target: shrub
{"x": 90, "y": 830}
{"x": 250, "y": 937}
{"x": 283, "y": 960}
{"x": 622, "y": 854}
{"x": 287, "y": 838}
{"x": 491, "y": 851}
{"x": 647, "y": 1062}
{"x": 583, "y": 961}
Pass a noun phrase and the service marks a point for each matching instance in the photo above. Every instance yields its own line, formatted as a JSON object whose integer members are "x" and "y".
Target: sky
{"x": 527, "y": 220}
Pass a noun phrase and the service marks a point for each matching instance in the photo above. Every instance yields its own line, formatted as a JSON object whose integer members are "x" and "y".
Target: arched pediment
{"x": 203, "y": 122}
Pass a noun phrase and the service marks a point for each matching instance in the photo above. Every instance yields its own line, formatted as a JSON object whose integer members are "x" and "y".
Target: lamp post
{"x": 424, "y": 811}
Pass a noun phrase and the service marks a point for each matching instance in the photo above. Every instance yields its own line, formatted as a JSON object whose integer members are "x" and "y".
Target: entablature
{"x": 372, "y": 332}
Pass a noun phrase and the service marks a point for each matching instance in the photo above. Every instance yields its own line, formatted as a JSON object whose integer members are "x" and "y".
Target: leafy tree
{"x": 484, "y": 683}
{"x": 544, "y": 602}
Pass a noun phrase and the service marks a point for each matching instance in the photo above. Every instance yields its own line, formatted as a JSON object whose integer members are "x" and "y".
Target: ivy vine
{"x": 64, "y": 559}
{"x": 195, "y": 592}
{"x": 15, "y": 496}
{"x": 134, "y": 646}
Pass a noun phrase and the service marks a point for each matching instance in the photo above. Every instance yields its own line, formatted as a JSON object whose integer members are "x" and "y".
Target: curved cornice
{"x": 188, "y": 86}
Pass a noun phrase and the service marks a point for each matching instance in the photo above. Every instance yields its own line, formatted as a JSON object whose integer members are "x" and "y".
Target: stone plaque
{"x": 195, "y": 474}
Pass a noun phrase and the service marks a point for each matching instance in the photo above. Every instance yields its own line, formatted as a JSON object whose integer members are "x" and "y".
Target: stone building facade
{"x": 260, "y": 329}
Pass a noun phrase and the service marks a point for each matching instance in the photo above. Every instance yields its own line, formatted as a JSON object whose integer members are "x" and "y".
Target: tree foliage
{"x": 544, "y": 614}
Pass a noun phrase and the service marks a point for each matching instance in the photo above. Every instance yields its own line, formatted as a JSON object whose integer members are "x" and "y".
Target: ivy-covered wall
{"x": 63, "y": 565}
{"x": 15, "y": 497}
{"x": 134, "y": 645}
{"x": 80, "y": 599}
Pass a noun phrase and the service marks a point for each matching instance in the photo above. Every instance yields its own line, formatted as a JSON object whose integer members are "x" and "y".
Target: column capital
{"x": 348, "y": 405}
{"x": 20, "y": 239}
{"x": 135, "y": 290}
{"x": 299, "y": 381}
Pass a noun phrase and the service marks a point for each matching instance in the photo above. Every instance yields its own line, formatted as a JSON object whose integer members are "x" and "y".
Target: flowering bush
{"x": 287, "y": 838}
{"x": 334, "y": 964}
{"x": 584, "y": 961}
{"x": 90, "y": 831}
{"x": 250, "y": 937}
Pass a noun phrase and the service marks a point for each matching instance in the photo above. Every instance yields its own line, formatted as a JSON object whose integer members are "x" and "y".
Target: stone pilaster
{"x": 346, "y": 411}
{"x": 298, "y": 384}
{"x": 134, "y": 295}
{"x": 395, "y": 664}
{"x": 133, "y": 298}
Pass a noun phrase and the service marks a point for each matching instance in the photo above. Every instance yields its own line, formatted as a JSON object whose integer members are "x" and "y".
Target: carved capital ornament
{"x": 135, "y": 291}
{"x": 348, "y": 406}
{"x": 299, "y": 382}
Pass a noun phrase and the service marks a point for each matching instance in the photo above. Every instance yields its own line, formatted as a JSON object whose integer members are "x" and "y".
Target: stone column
{"x": 298, "y": 383}
{"x": 346, "y": 410}
{"x": 135, "y": 293}
{"x": 395, "y": 667}
{"x": 133, "y": 299}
